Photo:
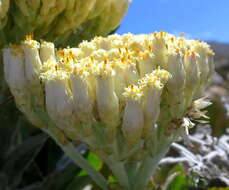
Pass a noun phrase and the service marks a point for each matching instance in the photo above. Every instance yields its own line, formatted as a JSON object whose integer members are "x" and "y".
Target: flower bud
{"x": 131, "y": 73}
{"x": 151, "y": 109}
{"x": 62, "y": 100}
{"x": 59, "y": 104}
{"x": 191, "y": 68}
{"x": 147, "y": 63}
{"x": 152, "y": 85}
{"x": 14, "y": 68}
{"x": 82, "y": 97}
{"x": 107, "y": 101}
{"x": 119, "y": 81}
{"x": 202, "y": 48}
{"x": 133, "y": 118}
{"x": 61, "y": 21}
{"x": 47, "y": 51}
{"x": 158, "y": 46}
{"x": 192, "y": 75}
{"x": 32, "y": 61}
{"x": 174, "y": 65}
{"x": 204, "y": 64}
{"x": 175, "y": 86}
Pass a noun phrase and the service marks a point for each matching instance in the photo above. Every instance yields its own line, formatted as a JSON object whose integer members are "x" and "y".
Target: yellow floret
{"x": 30, "y": 42}
{"x": 133, "y": 92}
{"x": 150, "y": 81}
{"x": 162, "y": 74}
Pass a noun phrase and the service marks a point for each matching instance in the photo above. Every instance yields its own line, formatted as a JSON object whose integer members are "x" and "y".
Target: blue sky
{"x": 199, "y": 19}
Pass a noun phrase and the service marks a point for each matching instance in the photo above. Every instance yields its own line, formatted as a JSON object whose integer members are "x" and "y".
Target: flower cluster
{"x": 57, "y": 20}
{"x": 128, "y": 97}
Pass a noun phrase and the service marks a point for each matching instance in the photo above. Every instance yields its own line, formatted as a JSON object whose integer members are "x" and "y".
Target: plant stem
{"x": 71, "y": 152}
{"x": 118, "y": 169}
{"x": 131, "y": 170}
{"x": 148, "y": 167}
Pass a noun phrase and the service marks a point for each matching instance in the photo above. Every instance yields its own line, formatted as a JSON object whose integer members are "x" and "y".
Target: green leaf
{"x": 94, "y": 161}
{"x": 180, "y": 181}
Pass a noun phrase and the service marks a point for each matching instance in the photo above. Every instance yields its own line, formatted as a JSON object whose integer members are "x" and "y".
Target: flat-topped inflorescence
{"x": 111, "y": 71}
{"x": 130, "y": 93}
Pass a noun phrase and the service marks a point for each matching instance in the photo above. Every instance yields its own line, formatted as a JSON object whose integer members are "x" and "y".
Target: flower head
{"x": 60, "y": 21}
{"x": 126, "y": 90}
